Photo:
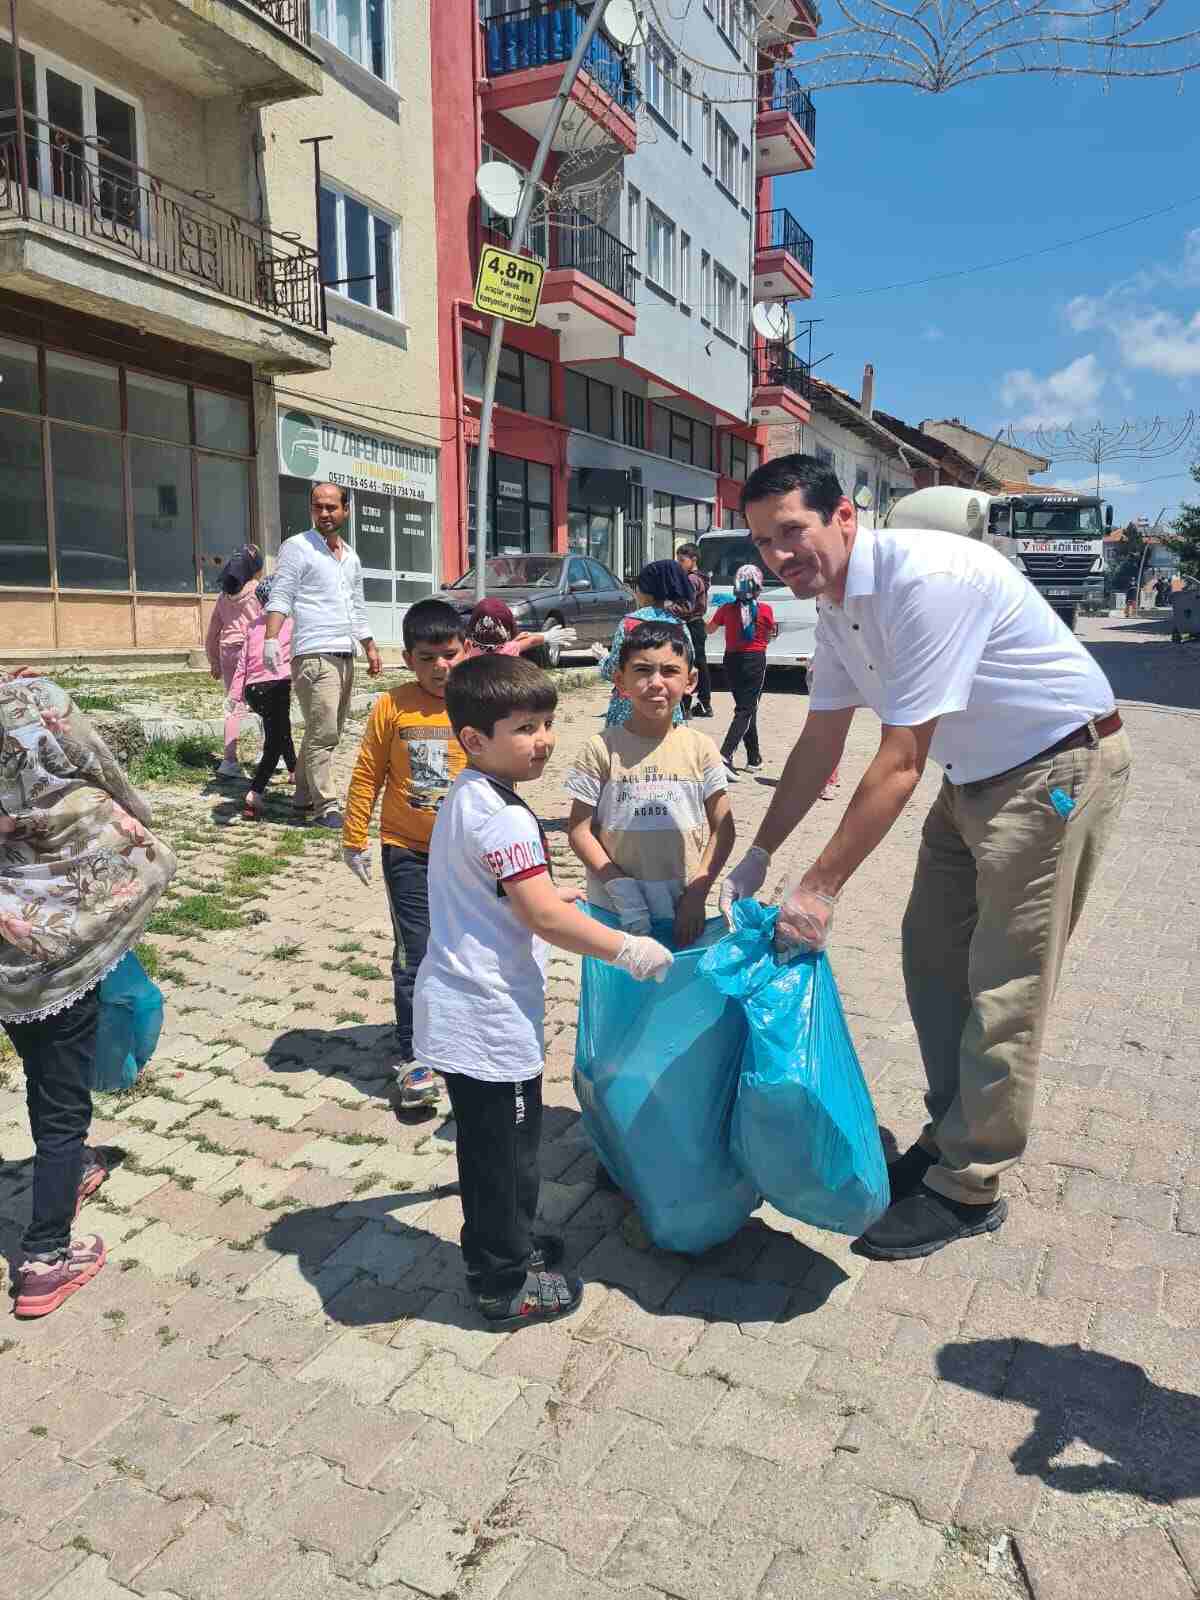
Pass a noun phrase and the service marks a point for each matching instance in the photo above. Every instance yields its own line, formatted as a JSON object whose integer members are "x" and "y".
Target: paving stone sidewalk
{"x": 277, "y": 1386}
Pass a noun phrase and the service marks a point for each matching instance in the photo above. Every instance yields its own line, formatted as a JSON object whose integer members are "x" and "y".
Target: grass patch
{"x": 194, "y": 911}
{"x": 149, "y": 957}
{"x": 96, "y": 702}
{"x": 351, "y": 947}
{"x": 349, "y": 1016}
{"x": 362, "y": 969}
{"x": 251, "y": 865}
{"x": 177, "y": 761}
{"x": 284, "y": 952}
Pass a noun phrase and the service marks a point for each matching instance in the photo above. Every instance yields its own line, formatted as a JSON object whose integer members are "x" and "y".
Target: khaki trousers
{"x": 323, "y": 685}
{"x": 1000, "y": 883}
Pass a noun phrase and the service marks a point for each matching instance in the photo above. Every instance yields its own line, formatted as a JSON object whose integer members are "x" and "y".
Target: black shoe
{"x": 703, "y": 711}
{"x": 752, "y": 766}
{"x": 543, "y": 1297}
{"x": 547, "y": 1252}
{"x": 923, "y": 1223}
{"x": 907, "y": 1173}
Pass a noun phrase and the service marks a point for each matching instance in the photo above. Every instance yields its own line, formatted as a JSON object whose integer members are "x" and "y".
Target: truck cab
{"x": 721, "y": 554}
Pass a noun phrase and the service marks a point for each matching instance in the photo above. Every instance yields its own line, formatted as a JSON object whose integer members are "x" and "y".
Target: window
{"x": 359, "y": 252}
{"x": 743, "y": 335}
{"x": 589, "y": 404}
{"x": 359, "y": 28}
{"x": 677, "y": 521}
{"x": 739, "y": 457}
{"x": 633, "y": 417}
{"x": 681, "y": 437}
{"x": 519, "y": 513}
{"x": 725, "y": 291}
{"x": 522, "y": 382}
{"x": 727, "y": 167}
{"x": 706, "y": 134}
{"x": 746, "y": 192}
{"x": 634, "y": 239}
{"x": 687, "y": 109}
{"x": 660, "y": 75}
{"x": 660, "y": 249}
{"x": 685, "y": 270}
{"x": 706, "y": 304}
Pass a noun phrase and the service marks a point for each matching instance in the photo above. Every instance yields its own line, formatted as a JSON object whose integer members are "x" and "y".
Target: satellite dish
{"x": 770, "y": 319}
{"x": 623, "y": 22}
{"x": 499, "y": 187}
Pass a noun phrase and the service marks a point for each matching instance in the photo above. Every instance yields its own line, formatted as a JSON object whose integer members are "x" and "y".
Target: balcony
{"x": 783, "y": 257}
{"x": 781, "y": 385}
{"x": 525, "y": 52}
{"x": 785, "y": 128}
{"x": 784, "y": 23}
{"x": 255, "y": 51}
{"x": 587, "y": 293}
{"x": 83, "y": 228}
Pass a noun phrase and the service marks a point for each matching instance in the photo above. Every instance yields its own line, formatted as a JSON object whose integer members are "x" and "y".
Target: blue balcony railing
{"x": 548, "y": 31}
{"x": 783, "y": 91}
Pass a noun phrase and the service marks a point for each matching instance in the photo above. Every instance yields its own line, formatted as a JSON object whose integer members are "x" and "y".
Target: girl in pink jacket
{"x": 236, "y": 607}
{"x": 269, "y": 694}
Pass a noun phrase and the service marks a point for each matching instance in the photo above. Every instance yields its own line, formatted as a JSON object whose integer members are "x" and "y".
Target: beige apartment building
{"x": 188, "y": 336}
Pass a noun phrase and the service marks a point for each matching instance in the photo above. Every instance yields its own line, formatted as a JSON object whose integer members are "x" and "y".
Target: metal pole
{"x": 986, "y": 459}
{"x": 316, "y": 143}
{"x": 22, "y": 153}
{"x": 520, "y": 226}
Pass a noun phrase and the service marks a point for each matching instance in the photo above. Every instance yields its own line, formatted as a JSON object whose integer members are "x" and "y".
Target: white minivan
{"x": 721, "y": 554}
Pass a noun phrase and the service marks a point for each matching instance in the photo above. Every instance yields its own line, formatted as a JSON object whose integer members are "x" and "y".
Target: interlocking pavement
{"x": 277, "y": 1386}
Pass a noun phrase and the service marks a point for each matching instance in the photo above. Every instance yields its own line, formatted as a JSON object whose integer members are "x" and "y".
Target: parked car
{"x": 544, "y": 589}
{"x": 721, "y": 554}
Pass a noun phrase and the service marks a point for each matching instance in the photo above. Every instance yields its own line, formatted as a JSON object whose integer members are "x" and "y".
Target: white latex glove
{"x": 644, "y": 958}
{"x": 632, "y": 910}
{"x": 272, "y": 655}
{"x": 600, "y": 651}
{"x": 746, "y": 879}
{"x": 560, "y": 635}
{"x": 805, "y": 918}
{"x": 359, "y": 862}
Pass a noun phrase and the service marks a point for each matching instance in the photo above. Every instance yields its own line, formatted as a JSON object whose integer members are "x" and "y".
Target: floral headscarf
{"x": 491, "y": 626}
{"x": 747, "y": 587}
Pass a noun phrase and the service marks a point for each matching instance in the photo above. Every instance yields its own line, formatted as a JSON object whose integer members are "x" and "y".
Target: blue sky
{"x": 908, "y": 184}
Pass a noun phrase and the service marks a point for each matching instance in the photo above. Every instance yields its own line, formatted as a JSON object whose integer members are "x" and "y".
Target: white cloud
{"x": 1161, "y": 342}
{"x": 1110, "y": 483}
{"x": 1150, "y": 337}
{"x": 1061, "y": 397}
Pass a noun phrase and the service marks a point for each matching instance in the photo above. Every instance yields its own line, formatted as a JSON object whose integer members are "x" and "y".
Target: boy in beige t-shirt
{"x": 650, "y": 816}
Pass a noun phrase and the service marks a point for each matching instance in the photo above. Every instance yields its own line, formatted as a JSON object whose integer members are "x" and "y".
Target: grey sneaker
{"x": 332, "y": 820}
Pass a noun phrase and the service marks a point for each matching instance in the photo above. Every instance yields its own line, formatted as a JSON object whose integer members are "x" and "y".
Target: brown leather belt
{"x": 1082, "y": 736}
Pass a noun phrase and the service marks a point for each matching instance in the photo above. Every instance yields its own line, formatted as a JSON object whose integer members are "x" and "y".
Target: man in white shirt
{"x": 962, "y": 660}
{"x": 318, "y": 583}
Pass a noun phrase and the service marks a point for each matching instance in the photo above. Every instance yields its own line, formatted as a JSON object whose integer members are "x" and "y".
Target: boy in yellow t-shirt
{"x": 410, "y": 752}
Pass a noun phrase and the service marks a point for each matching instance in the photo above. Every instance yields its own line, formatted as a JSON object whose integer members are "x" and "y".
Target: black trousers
{"x": 57, "y": 1053}
{"x": 745, "y": 672}
{"x": 499, "y": 1134}
{"x": 703, "y": 695}
{"x": 273, "y": 703}
{"x": 406, "y": 873}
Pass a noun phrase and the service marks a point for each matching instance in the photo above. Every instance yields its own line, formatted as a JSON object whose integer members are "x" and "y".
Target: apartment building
{"x": 173, "y": 367}
{"x": 628, "y": 417}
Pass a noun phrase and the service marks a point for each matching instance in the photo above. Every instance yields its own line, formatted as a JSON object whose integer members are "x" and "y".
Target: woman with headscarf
{"x": 80, "y": 873}
{"x": 664, "y": 594}
{"x": 236, "y": 608}
{"x": 492, "y": 630}
{"x": 749, "y": 625}
{"x": 268, "y": 693}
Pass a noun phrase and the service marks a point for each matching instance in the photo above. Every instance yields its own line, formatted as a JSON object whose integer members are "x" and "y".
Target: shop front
{"x": 393, "y": 518}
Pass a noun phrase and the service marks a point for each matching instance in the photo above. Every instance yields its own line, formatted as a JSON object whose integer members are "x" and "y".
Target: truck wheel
{"x": 1067, "y": 613}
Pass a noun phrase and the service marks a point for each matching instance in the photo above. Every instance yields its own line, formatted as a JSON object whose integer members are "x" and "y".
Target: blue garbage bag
{"x": 804, "y": 1129}
{"x": 131, "y": 1017}
{"x": 656, "y": 1069}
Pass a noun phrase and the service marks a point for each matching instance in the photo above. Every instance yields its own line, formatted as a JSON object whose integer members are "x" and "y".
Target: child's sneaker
{"x": 731, "y": 772}
{"x": 43, "y": 1284}
{"x": 544, "y": 1297}
{"x": 416, "y": 1087}
{"x": 95, "y": 1172}
{"x": 547, "y": 1252}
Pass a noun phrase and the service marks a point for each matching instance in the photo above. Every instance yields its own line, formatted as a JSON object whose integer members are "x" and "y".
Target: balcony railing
{"x": 548, "y": 31}
{"x": 77, "y": 187}
{"x": 290, "y": 15}
{"x": 779, "y": 230}
{"x": 577, "y": 242}
{"x": 783, "y": 91}
{"x": 777, "y": 366}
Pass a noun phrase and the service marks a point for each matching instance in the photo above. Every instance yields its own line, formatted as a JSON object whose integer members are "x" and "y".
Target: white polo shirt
{"x": 322, "y": 594}
{"x": 936, "y": 625}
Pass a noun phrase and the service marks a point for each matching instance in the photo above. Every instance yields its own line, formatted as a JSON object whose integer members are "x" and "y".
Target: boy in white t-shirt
{"x": 650, "y": 816}
{"x": 480, "y": 997}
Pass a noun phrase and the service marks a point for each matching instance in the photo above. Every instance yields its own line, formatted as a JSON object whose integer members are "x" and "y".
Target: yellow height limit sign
{"x": 508, "y": 286}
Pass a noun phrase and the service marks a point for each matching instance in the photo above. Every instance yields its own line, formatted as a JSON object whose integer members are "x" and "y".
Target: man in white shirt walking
{"x": 318, "y": 583}
{"x": 962, "y": 660}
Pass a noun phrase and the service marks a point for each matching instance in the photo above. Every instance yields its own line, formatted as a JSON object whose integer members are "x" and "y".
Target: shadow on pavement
{"x": 1149, "y": 1435}
{"x": 358, "y": 1053}
{"x": 1148, "y": 667}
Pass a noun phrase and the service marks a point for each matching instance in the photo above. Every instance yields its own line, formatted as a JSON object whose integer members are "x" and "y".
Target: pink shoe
{"x": 42, "y": 1286}
{"x": 95, "y": 1172}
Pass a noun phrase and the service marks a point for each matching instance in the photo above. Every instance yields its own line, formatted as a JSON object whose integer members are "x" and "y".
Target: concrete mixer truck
{"x": 1056, "y": 539}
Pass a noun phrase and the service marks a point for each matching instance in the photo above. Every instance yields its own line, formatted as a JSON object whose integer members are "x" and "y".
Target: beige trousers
{"x": 323, "y": 685}
{"x": 1000, "y": 883}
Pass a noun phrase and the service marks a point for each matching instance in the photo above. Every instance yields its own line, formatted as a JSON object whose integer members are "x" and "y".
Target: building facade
{"x": 172, "y": 364}
{"x": 627, "y": 418}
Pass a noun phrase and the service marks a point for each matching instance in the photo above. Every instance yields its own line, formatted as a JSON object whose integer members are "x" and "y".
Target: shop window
{"x": 589, "y": 404}
{"x": 519, "y": 517}
{"x": 634, "y": 417}
{"x": 677, "y": 521}
{"x": 19, "y": 389}
{"x": 159, "y": 408}
{"x": 160, "y": 477}
{"x": 359, "y": 251}
{"x": 83, "y": 391}
{"x": 377, "y": 591}
{"x": 223, "y": 491}
{"x": 359, "y": 28}
{"x": 222, "y": 422}
{"x": 24, "y": 542}
{"x": 295, "y": 510}
{"x": 89, "y": 509}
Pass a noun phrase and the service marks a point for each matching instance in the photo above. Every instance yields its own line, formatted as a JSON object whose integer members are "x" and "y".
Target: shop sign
{"x": 330, "y": 452}
{"x": 508, "y": 286}
{"x": 515, "y": 490}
